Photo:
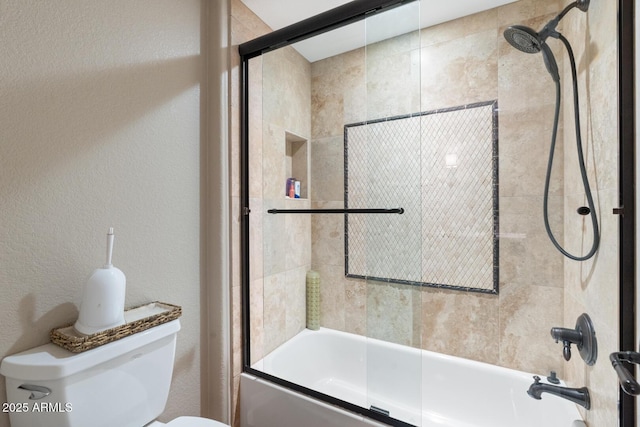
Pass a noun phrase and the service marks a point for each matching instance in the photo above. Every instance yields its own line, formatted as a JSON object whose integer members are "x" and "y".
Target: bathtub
{"x": 416, "y": 387}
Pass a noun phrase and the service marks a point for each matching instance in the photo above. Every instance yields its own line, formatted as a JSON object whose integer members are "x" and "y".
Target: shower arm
{"x": 583, "y": 5}
{"x": 549, "y": 30}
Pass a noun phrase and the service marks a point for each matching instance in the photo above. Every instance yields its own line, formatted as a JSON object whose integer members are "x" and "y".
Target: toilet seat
{"x": 192, "y": 422}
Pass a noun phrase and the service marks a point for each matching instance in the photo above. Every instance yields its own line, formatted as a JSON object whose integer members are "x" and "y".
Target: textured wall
{"x": 100, "y": 126}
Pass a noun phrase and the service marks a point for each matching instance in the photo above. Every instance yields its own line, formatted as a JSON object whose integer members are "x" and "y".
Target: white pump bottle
{"x": 103, "y": 297}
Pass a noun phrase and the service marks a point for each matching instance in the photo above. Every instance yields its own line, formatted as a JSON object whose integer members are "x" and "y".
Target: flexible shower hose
{"x": 583, "y": 169}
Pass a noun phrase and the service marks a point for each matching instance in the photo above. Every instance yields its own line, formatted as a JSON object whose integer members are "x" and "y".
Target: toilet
{"x": 121, "y": 384}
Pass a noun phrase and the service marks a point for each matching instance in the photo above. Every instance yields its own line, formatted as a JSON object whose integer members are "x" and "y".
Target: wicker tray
{"x": 137, "y": 319}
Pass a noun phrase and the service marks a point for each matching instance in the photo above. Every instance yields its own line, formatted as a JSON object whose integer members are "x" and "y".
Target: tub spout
{"x": 575, "y": 395}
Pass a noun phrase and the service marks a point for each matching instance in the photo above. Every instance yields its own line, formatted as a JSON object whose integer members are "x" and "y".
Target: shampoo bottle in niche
{"x": 102, "y": 304}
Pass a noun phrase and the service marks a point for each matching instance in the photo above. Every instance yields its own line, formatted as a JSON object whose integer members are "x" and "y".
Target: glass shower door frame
{"x": 627, "y": 82}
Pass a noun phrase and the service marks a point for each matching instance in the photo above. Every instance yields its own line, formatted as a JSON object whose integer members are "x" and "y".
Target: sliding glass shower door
{"x": 383, "y": 152}
{"x": 331, "y": 202}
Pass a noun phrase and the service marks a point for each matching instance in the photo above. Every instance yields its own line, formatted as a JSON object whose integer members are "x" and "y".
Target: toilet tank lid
{"x": 51, "y": 362}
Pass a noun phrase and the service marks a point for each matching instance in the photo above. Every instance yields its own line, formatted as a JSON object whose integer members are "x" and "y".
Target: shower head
{"x": 523, "y": 38}
{"x": 527, "y": 40}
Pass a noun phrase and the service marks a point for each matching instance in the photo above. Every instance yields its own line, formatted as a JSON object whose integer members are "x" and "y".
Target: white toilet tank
{"x": 121, "y": 384}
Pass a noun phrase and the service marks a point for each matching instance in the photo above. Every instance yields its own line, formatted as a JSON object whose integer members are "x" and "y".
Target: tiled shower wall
{"x": 439, "y": 167}
{"x": 455, "y": 63}
{"x": 277, "y": 282}
{"x": 592, "y": 286}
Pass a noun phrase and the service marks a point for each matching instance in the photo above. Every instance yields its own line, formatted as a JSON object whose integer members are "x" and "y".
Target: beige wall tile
{"x": 327, "y": 236}
{"x": 355, "y": 316}
{"x": 460, "y": 71}
{"x": 332, "y": 296}
{"x": 257, "y": 320}
{"x": 327, "y": 169}
{"x": 522, "y": 10}
{"x": 528, "y": 131}
{"x": 275, "y": 311}
{"x": 527, "y": 314}
{"x": 462, "y": 324}
{"x": 390, "y": 312}
{"x": 460, "y": 28}
{"x": 296, "y": 300}
{"x": 393, "y": 77}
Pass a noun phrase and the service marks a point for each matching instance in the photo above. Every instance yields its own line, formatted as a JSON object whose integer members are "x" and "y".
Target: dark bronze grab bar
{"x": 337, "y": 211}
{"x": 627, "y": 382}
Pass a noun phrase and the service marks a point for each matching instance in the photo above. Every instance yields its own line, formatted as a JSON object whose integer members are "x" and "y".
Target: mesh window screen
{"x": 440, "y": 166}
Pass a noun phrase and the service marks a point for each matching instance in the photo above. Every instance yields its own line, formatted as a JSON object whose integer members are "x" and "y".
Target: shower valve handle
{"x": 583, "y": 336}
{"x": 566, "y": 350}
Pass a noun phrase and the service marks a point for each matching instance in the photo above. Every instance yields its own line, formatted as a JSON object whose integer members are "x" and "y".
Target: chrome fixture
{"x": 575, "y": 395}
{"x": 583, "y": 336}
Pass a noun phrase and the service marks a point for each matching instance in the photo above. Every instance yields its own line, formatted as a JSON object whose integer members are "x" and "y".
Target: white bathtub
{"x": 417, "y": 387}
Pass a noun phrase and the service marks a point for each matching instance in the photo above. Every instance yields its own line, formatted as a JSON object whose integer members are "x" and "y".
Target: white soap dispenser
{"x": 102, "y": 304}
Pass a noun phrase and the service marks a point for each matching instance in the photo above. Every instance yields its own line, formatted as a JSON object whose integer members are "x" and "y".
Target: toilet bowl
{"x": 124, "y": 383}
